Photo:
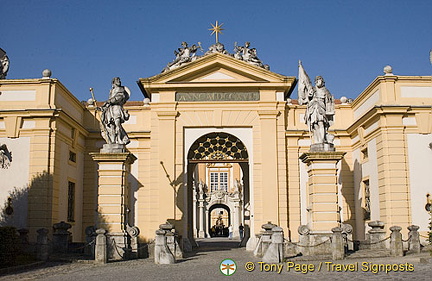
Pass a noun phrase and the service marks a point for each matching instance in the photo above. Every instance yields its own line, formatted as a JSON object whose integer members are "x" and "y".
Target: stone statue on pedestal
{"x": 319, "y": 112}
{"x": 113, "y": 114}
{"x": 4, "y": 64}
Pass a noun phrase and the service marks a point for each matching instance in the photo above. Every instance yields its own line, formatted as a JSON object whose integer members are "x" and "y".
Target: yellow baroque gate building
{"x": 217, "y": 142}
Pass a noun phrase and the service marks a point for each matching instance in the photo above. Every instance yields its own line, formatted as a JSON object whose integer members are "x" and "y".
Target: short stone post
{"x": 377, "y": 235}
{"x": 414, "y": 239}
{"x": 101, "y": 251}
{"x": 275, "y": 251}
{"x": 24, "y": 239}
{"x": 347, "y": 231}
{"x": 42, "y": 244}
{"x": 396, "y": 246}
{"x": 337, "y": 244}
{"x": 61, "y": 237}
{"x": 90, "y": 232}
{"x": 162, "y": 253}
{"x": 133, "y": 232}
{"x": 304, "y": 239}
{"x": 264, "y": 240}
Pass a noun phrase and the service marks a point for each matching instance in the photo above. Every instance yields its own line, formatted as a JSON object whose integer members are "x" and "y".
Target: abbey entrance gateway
{"x": 217, "y": 139}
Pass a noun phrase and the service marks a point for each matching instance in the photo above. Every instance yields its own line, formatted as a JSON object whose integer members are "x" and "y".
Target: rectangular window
{"x": 214, "y": 181}
{"x": 72, "y": 156}
{"x": 223, "y": 181}
{"x": 71, "y": 202}
{"x": 219, "y": 181}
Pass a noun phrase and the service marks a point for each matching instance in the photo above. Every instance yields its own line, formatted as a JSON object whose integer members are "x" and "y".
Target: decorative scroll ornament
{"x": 218, "y": 146}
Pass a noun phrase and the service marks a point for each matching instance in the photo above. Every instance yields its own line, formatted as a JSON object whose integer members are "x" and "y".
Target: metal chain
{"x": 308, "y": 246}
{"x": 115, "y": 247}
{"x": 368, "y": 243}
{"x": 88, "y": 244}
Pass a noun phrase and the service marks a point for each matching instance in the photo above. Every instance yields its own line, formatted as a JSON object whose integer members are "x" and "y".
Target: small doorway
{"x": 220, "y": 220}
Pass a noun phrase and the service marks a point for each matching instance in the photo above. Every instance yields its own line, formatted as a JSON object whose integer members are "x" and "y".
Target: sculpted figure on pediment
{"x": 248, "y": 55}
{"x": 4, "y": 64}
{"x": 183, "y": 55}
{"x": 217, "y": 48}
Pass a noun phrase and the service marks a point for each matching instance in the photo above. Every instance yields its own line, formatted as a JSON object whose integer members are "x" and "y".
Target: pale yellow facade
{"x": 383, "y": 137}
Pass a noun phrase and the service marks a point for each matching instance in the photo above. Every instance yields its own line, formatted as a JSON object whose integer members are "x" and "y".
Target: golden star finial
{"x": 216, "y": 29}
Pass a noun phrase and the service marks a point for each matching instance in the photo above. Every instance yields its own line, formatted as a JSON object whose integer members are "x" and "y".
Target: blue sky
{"x": 87, "y": 43}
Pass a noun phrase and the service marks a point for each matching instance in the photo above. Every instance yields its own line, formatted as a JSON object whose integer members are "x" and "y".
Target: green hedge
{"x": 9, "y": 246}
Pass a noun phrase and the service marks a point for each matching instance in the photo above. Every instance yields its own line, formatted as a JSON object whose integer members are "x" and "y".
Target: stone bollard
{"x": 304, "y": 240}
{"x": 101, "y": 249}
{"x": 337, "y": 244}
{"x": 24, "y": 239}
{"x": 173, "y": 245}
{"x": 377, "y": 235}
{"x": 162, "y": 253}
{"x": 396, "y": 246}
{"x": 414, "y": 239}
{"x": 42, "y": 244}
{"x": 264, "y": 239}
{"x": 133, "y": 232}
{"x": 275, "y": 251}
{"x": 61, "y": 237}
{"x": 89, "y": 249}
{"x": 347, "y": 234}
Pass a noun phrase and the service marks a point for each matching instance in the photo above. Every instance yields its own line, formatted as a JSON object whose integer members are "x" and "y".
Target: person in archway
{"x": 241, "y": 230}
{"x": 230, "y": 231}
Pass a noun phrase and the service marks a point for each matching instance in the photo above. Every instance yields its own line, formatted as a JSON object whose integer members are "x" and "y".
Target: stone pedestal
{"x": 396, "y": 246}
{"x": 61, "y": 237}
{"x": 337, "y": 244}
{"x": 376, "y": 235}
{"x": 162, "y": 253}
{"x": 264, "y": 239}
{"x": 414, "y": 239}
{"x": 42, "y": 244}
{"x": 322, "y": 189}
{"x": 101, "y": 255}
{"x": 275, "y": 251}
{"x": 113, "y": 197}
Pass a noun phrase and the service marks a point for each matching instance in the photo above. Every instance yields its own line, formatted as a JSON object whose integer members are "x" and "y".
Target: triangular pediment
{"x": 218, "y": 73}
{"x": 217, "y": 68}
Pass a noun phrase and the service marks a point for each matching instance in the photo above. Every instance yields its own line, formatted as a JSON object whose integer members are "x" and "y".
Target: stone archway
{"x": 218, "y": 174}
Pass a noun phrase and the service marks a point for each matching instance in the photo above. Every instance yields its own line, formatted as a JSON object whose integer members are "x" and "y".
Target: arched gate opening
{"x": 218, "y": 179}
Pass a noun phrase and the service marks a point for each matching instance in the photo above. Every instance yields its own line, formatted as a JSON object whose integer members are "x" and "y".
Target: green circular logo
{"x": 228, "y": 267}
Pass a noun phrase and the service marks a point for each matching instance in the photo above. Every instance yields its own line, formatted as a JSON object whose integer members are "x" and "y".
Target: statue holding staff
{"x": 114, "y": 115}
{"x": 320, "y": 109}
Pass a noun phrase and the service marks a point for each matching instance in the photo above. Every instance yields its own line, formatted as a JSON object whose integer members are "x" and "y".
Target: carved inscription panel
{"x": 217, "y": 96}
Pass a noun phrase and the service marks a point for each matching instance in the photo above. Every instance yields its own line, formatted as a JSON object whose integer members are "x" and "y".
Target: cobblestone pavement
{"x": 204, "y": 265}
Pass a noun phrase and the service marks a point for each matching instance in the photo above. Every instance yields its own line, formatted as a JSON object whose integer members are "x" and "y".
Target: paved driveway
{"x": 205, "y": 264}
